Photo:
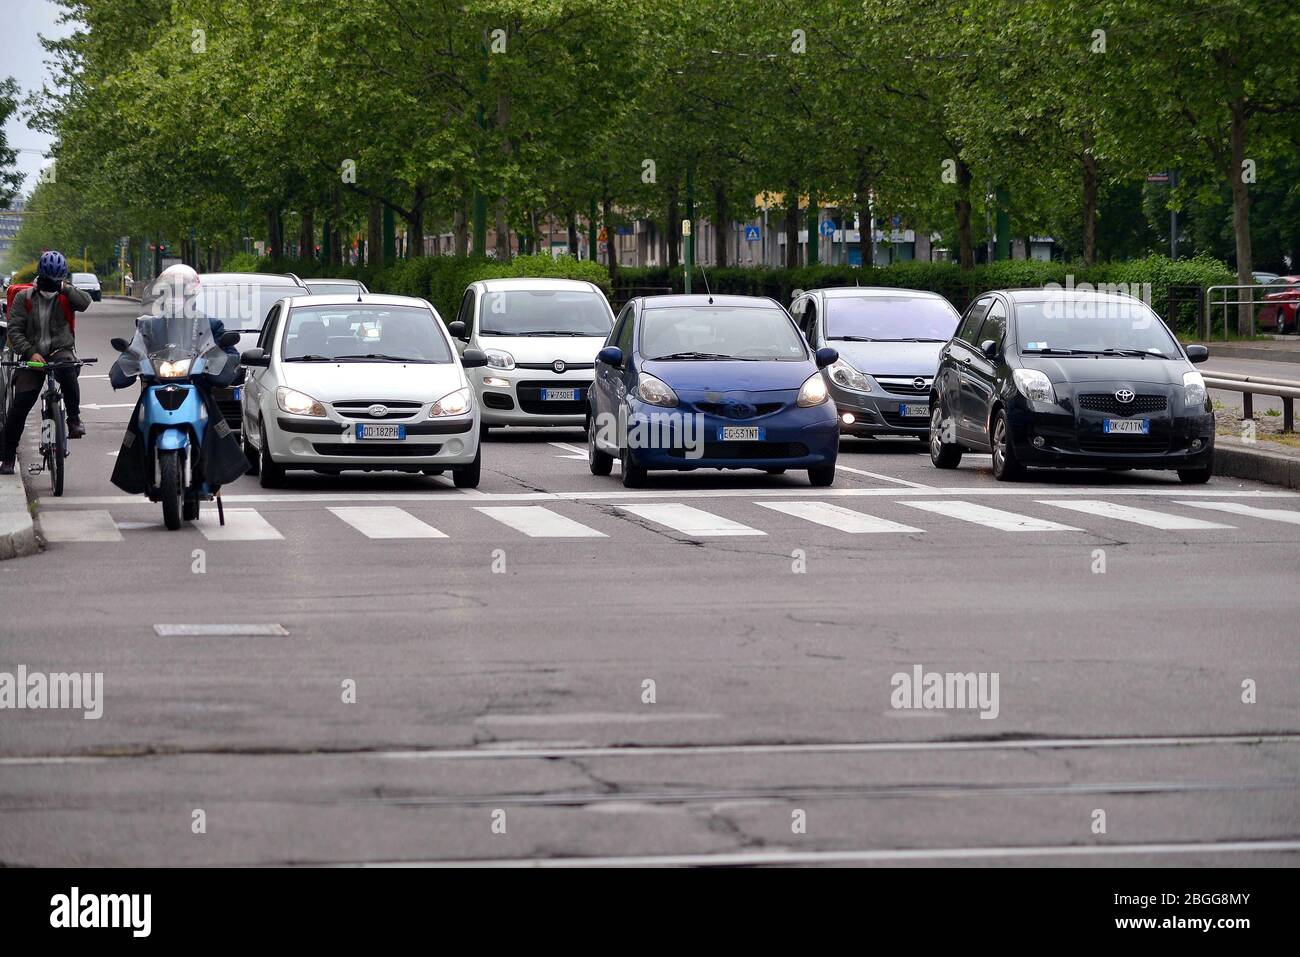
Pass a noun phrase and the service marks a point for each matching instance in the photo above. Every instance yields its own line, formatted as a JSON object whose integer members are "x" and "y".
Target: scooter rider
{"x": 40, "y": 328}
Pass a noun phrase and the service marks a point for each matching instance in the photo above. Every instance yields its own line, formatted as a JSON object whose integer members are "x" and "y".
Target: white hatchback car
{"x": 341, "y": 383}
{"x": 540, "y": 337}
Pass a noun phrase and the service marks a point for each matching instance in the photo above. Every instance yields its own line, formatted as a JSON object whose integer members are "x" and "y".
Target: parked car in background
{"x": 337, "y": 384}
{"x": 335, "y": 287}
{"x": 1263, "y": 278}
{"x": 541, "y": 337}
{"x": 888, "y": 342}
{"x": 1279, "y": 310}
{"x": 1070, "y": 379}
{"x": 241, "y": 300}
{"x": 88, "y": 282}
{"x": 731, "y": 372}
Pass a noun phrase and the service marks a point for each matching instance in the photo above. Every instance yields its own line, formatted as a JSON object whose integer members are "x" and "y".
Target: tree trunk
{"x": 721, "y": 222}
{"x": 375, "y": 234}
{"x": 862, "y": 193}
{"x": 1091, "y": 177}
{"x": 962, "y": 209}
{"x": 306, "y": 233}
{"x": 460, "y": 228}
{"x": 792, "y": 225}
{"x": 573, "y": 233}
{"x": 672, "y": 237}
{"x": 1241, "y": 213}
{"x": 415, "y": 225}
{"x": 273, "y": 231}
{"x": 607, "y": 209}
{"x": 502, "y": 223}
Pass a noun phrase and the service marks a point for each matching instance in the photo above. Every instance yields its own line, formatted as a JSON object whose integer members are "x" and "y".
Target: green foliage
{"x": 241, "y": 262}
{"x": 27, "y": 272}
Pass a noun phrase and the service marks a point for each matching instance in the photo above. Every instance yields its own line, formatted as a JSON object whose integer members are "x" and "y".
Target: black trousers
{"x": 28, "y": 385}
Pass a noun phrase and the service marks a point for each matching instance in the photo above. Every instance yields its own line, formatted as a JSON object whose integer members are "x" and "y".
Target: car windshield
{"x": 720, "y": 332}
{"x": 1090, "y": 326}
{"x": 242, "y": 305}
{"x": 544, "y": 312}
{"x": 333, "y": 288}
{"x": 890, "y": 318}
{"x": 364, "y": 333}
{"x": 88, "y": 277}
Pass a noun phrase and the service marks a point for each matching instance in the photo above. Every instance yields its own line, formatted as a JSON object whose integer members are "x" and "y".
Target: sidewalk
{"x": 1278, "y": 349}
{"x": 17, "y": 529}
{"x": 1260, "y": 461}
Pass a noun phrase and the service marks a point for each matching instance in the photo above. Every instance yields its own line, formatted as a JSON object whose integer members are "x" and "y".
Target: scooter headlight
{"x": 178, "y": 369}
{"x": 297, "y": 403}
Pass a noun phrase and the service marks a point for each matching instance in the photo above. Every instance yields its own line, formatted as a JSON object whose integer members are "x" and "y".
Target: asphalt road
{"x": 500, "y": 664}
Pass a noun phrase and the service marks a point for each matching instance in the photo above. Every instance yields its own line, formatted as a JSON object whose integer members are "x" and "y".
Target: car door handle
{"x": 966, "y": 359}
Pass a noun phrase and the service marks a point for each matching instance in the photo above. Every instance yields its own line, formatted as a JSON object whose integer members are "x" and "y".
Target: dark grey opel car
{"x": 1070, "y": 379}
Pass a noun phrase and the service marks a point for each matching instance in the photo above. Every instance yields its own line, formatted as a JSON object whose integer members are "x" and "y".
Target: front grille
{"x": 495, "y": 400}
{"x": 899, "y": 386}
{"x": 568, "y": 366}
{"x": 358, "y": 409}
{"x": 892, "y": 417}
{"x": 375, "y": 449}
{"x": 1124, "y": 443}
{"x": 748, "y": 450}
{"x": 739, "y": 410}
{"x": 1107, "y": 403}
{"x": 530, "y": 398}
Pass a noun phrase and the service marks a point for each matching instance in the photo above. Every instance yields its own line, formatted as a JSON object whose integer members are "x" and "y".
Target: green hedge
{"x": 958, "y": 285}
{"x": 439, "y": 279}
{"x": 27, "y": 272}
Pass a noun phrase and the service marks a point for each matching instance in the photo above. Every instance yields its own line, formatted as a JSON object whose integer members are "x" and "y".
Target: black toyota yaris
{"x": 1070, "y": 379}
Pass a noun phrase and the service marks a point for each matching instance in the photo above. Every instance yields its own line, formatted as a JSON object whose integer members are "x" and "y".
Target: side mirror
{"x": 1197, "y": 353}
{"x": 457, "y": 330}
{"x": 228, "y": 339}
{"x": 610, "y": 356}
{"x": 989, "y": 348}
{"x": 473, "y": 359}
{"x": 255, "y": 357}
{"x": 121, "y": 345}
{"x": 827, "y": 357}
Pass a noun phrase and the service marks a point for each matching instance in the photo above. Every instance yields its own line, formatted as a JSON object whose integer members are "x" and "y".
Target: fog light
{"x": 847, "y": 418}
{"x": 498, "y": 383}
{"x": 1196, "y": 444}
{"x": 1039, "y": 441}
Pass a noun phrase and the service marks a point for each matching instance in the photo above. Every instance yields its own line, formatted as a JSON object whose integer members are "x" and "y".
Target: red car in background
{"x": 1280, "y": 307}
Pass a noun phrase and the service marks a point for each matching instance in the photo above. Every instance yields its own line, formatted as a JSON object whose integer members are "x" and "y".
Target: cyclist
{"x": 41, "y": 327}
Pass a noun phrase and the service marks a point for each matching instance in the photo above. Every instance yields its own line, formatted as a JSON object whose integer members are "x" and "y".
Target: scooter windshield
{"x": 173, "y": 347}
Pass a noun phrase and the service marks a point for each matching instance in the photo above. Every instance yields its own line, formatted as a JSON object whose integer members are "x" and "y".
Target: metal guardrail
{"x": 1288, "y": 390}
{"x": 1211, "y": 303}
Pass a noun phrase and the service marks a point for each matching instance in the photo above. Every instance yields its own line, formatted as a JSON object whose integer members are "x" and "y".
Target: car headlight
{"x": 497, "y": 359}
{"x": 297, "y": 403}
{"x": 813, "y": 391}
{"x": 1034, "y": 385}
{"x": 655, "y": 392}
{"x": 847, "y": 377}
{"x": 174, "y": 370}
{"x": 454, "y": 403}
{"x": 1193, "y": 389}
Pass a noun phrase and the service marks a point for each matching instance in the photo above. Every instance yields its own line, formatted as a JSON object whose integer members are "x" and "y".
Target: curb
{"x": 1234, "y": 459}
{"x": 17, "y": 528}
{"x": 1252, "y": 352}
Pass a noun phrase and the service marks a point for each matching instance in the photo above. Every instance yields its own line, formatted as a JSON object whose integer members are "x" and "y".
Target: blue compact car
{"x": 710, "y": 382}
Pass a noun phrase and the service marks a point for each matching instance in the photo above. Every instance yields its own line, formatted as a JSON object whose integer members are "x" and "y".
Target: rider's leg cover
{"x": 131, "y": 471}
{"x": 222, "y": 458}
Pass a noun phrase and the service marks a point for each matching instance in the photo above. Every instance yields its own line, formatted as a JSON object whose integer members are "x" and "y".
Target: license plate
{"x": 914, "y": 411}
{"x": 740, "y": 433}
{"x": 385, "y": 432}
{"x": 561, "y": 395}
{"x": 238, "y": 393}
{"x": 1126, "y": 426}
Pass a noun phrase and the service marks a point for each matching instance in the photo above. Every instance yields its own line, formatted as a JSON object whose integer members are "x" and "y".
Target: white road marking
{"x": 537, "y": 522}
{"x": 1251, "y": 511}
{"x": 114, "y": 405}
{"x": 87, "y": 526}
{"x": 839, "y": 467}
{"x": 689, "y": 520}
{"x": 992, "y": 517}
{"x": 242, "y": 525}
{"x": 1138, "y": 516}
{"x": 598, "y": 718}
{"x": 582, "y": 453}
{"x": 837, "y": 517}
{"x": 386, "y": 521}
{"x": 220, "y": 631}
{"x": 752, "y": 858}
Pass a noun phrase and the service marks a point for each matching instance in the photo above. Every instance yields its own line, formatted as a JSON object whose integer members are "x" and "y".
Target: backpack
{"x": 18, "y": 287}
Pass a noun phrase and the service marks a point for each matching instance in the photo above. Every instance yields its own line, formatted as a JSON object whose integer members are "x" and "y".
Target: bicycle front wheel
{"x": 56, "y": 451}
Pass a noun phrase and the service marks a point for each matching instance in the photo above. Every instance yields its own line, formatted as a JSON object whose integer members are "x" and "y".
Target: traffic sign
{"x": 752, "y": 234}
{"x": 827, "y": 229}
{"x": 1157, "y": 177}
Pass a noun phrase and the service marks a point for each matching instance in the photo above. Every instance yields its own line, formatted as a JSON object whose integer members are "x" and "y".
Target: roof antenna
{"x": 358, "y": 292}
{"x": 706, "y": 282}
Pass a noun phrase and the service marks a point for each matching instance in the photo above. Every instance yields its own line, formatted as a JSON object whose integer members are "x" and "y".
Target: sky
{"x": 24, "y": 60}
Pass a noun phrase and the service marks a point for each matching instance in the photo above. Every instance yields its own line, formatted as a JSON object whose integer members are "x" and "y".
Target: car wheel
{"x": 634, "y": 476}
{"x": 467, "y": 476}
{"x": 251, "y": 454}
{"x": 269, "y": 473}
{"x": 1006, "y": 468}
{"x": 484, "y": 432}
{"x": 822, "y": 475}
{"x": 944, "y": 455}
{"x": 600, "y": 463}
{"x": 1197, "y": 476}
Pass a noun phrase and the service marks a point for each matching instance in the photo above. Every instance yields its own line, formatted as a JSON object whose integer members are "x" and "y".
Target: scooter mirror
{"x": 121, "y": 345}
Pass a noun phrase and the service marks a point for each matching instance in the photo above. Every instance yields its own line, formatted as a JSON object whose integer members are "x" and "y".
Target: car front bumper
{"x": 880, "y": 413}
{"x": 514, "y": 396}
{"x": 794, "y": 438}
{"x": 314, "y": 442}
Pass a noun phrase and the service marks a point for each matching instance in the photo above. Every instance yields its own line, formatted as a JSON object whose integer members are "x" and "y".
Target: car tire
{"x": 943, "y": 455}
{"x": 1198, "y": 476}
{"x": 600, "y": 463}
{"x": 484, "y": 432}
{"x": 270, "y": 475}
{"x": 1006, "y": 467}
{"x": 634, "y": 476}
{"x": 467, "y": 476}
{"x": 251, "y": 454}
{"x": 822, "y": 476}
{"x": 170, "y": 488}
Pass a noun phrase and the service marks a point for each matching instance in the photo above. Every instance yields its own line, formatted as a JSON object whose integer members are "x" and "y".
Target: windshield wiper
{"x": 1133, "y": 352}
{"x": 694, "y": 355}
{"x": 379, "y": 356}
{"x": 850, "y": 339}
{"x": 911, "y": 339}
{"x": 308, "y": 359}
{"x": 1048, "y": 352}
{"x": 548, "y": 332}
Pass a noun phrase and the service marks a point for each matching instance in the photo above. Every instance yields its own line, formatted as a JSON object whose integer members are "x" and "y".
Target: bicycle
{"x": 54, "y": 423}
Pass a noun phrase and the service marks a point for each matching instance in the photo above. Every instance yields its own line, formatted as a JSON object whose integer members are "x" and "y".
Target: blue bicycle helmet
{"x": 52, "y": 265}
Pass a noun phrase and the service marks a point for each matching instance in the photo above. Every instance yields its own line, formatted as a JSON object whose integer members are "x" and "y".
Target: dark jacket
{"x": 22, "y": 320}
